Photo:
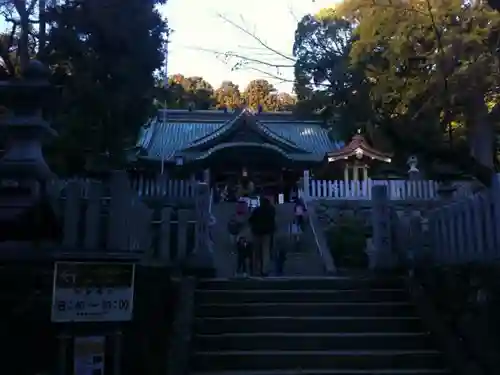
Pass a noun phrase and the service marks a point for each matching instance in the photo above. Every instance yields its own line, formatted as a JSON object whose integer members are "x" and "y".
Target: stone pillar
{"x": 495, "y": 198}
{"x": 306, "y": 186}
{"x": 201, "y": 261}
{"x": 383, "y": 255}
{"x": 206, "y": 176}
{"x": 413, "y": 171}
{"x": 23, "y": 170}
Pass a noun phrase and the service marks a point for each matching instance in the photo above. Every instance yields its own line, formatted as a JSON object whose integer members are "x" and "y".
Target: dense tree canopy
{"x": 196, "y": 93}
{"x": 102, "y": 62}
{"x": 228, "y": 95}
{"x": 423, "y": 73}
{"x": 108, "y": 64}
{"x": 324, "y": 75}
{"x": 185, "y": 92}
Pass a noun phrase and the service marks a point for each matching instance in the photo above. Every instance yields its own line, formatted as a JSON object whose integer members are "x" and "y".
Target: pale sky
{"x": 196, "y": 26}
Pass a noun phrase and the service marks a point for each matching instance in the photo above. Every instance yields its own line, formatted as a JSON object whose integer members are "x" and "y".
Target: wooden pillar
{"x": 355, "y": 170}
{"x": 346, "y": 173}
{"x": 62, "y": 360}
{"x": 365, "y": 172}
{"x": 117, "y": 357}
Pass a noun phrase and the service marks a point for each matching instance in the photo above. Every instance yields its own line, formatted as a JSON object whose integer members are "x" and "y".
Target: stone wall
{"x": 330, "y": 211}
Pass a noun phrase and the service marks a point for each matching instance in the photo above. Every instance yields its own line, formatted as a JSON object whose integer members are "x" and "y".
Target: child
{"x": 244, "y": 255}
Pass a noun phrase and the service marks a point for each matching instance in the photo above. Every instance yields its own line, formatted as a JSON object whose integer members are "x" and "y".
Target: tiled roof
{"x": 161, "y": 140}
{"x": 309, "y": 136}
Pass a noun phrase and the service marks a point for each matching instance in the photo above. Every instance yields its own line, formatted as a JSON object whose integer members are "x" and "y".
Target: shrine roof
{"x": 173, "y": 131}
{"x": 358, "y": 147}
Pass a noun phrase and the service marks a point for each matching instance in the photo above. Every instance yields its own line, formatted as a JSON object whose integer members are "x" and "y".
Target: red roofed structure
{"x": 357, "y": 157}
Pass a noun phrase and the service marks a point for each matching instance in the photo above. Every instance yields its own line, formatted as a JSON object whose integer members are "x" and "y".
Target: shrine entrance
{"x": 270, "y": 169}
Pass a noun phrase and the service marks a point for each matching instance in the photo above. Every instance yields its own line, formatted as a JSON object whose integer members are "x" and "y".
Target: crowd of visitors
{"x": 252, "y": 231}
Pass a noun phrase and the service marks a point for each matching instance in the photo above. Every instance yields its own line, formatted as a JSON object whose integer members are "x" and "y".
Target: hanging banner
{"x": 89, "y": 355}
{"x": 93, "y": 292}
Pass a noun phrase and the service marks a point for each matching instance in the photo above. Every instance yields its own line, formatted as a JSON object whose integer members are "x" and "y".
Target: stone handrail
{"x": 320, "y": 241}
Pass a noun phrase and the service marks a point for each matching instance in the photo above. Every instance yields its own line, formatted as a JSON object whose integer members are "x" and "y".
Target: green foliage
{"x": 105, "y": 65}
{"x": 228, "y": 95}
{"x": 347, "y": 241}
{"x": 196, "y": 93}
{"x": 324, "y": 75}
{"x": 419, "y": 73}
{"x": 261, "y": 92}
{"x": 184, "y": 92}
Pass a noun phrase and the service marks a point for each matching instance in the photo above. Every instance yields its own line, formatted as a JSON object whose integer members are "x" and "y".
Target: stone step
{"x": 263, "y": 360}
{"x": 303, "y": 371}
{"x": 312, "y": 283}
{"x": 318, "y": 309}
{"x": 303, "y": 295}
{"x": 307, "y": 324}
{"x": 313, "y": 341}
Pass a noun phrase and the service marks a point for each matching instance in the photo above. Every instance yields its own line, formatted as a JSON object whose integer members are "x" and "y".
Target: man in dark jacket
{"x": 262, "y": 224}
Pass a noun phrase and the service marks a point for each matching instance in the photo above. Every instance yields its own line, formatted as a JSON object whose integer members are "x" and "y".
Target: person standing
{"x": 244, "y": 253}
{"x": 262, "y": 224}
{"x": 300, "y": 212}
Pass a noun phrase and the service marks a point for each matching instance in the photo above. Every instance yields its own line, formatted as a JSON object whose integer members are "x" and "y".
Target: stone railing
{"x": 111, "y": 221}
{"x": 451, "y": 253}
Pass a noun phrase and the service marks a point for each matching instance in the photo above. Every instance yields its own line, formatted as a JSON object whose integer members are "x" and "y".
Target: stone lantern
{"x": 23, "y": 170}
{"x": 413, "y": 170}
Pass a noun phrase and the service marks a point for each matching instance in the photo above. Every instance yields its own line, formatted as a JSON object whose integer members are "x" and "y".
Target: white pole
{"x": 164, "y": 117}
{"x": 164, "y": 120}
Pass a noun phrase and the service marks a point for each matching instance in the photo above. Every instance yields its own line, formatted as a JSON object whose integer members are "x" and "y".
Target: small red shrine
{"x": 356, "y": 158}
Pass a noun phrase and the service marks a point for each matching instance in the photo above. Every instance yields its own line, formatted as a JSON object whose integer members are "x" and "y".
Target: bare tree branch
{"x": 256, "y": 38}
{"x": 259, "y": 58}
{"x": 227, "y": 56}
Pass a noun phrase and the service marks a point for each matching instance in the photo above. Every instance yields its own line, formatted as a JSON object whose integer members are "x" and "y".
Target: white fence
{"x": 161, "y": 186}
{"x": 397, "y": 189}
{"x": 156, "y": 187}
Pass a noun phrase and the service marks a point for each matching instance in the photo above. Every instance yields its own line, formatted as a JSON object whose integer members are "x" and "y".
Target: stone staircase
{"x": 341, "y": 326}
{"x": 305, "y": 262}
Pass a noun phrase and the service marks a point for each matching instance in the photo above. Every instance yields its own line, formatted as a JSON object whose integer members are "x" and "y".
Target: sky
{"x": 199, "y": 32}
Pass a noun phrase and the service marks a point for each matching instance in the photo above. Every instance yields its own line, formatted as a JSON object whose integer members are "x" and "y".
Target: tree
{"x": 324, "y": 76}
{"x": 283, "y": 101}
{"x": 106, "y": 66}
{"x": 430, "y": 60}
{"x": 432, "y": 64}
{"x": 258, "y": 93}
{"x": 228, "y": 95}
{"x": 184, "y": 92}
{"x": 200, "y": 93}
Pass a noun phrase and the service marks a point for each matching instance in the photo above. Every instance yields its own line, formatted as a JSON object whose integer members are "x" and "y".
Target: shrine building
{"x": 270, "y": 147}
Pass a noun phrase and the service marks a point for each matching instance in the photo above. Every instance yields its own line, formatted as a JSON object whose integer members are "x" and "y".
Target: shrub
{"x": 347, "y": 240}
